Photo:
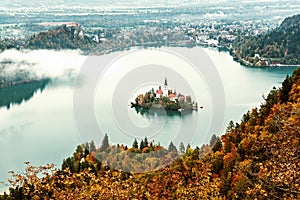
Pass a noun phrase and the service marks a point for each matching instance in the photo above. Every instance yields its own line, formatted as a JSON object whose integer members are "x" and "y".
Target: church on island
{"x": 164, "y": 98}
{"x": 166, "y": 92}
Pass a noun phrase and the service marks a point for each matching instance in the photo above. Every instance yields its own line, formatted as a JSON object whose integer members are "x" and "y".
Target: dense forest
{"x": 281, "y": 45}
{"x": 60, "y": 37}
{"x": 257, "y": 158}
{"x": 63, "y": 37}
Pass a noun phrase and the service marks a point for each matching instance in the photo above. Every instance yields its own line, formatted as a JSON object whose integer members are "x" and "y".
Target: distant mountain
{"x": 63, "y": 37}
{"x": 281, "y": 45}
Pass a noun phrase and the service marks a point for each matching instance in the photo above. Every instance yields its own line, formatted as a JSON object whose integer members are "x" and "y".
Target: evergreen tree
{"x": 105, "y": 143}
{"x": 196, "y": 152}
{"x": 188, "y": 146}
{"x": 172, "y": 147}
{"x": 98, "y": 164}
{"x": 246, "y": 117}
{"x": 285, "y": 90}
{"x": 135, "y": 144}
{"x": 230, "y": 126}
{"x": 79, "y": 149}
{"x": 86, "y": 151}
{"x": 217, "y": 145}
{"x": 146, "y": 142}
{"x": 68, "y": 163}
{"x": 86, "y": 147}
{"x": 182, "y": 147}
{"x": 79, "y": 153}
{"x": 142, "y": 145}
{"x": 92, "y": 146}
{"x": 213, "y": 140}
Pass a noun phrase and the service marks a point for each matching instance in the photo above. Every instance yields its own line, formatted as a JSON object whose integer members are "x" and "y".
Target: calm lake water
{"x": 38, "y": 122}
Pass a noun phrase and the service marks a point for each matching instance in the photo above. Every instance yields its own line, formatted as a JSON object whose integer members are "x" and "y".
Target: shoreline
{"x": 136, "y": 106}
{"x": 246, "y": 63}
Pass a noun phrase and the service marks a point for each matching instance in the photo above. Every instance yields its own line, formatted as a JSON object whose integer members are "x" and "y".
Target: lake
{"x": 43, "y": 122}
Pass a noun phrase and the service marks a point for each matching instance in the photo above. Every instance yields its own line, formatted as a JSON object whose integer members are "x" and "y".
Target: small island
{"x": 164, "y": 98}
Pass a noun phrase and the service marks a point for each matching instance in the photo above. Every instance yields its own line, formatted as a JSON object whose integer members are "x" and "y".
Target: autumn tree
{"x": 188, "y": 146}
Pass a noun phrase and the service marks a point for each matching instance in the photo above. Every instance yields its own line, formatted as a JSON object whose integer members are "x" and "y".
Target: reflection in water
{"x": 19, "y": 93}
{"x": 152, "y": 112}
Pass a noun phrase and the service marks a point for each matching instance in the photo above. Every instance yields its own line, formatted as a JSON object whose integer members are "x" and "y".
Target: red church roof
{"x": 159, "y": 92}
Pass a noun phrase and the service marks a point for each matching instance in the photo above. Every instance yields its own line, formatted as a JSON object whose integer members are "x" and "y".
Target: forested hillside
{"x": 63, "y": 37}
{"x": 281, "y": 45}
{"x": 258, "y": 158}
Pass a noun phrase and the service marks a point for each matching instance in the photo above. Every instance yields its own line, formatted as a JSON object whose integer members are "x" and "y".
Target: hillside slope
{"x": 281, "y": 45}
{"x": 63, "y": 37}
{"x": 261, "y": 155}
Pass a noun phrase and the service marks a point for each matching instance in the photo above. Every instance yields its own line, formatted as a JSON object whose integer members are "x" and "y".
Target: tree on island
{"x": 167, "y": 100}
{"x": 105, "y": 143}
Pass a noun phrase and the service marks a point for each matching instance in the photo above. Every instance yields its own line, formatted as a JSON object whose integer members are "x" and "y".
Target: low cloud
{"x": 39, "y": 64}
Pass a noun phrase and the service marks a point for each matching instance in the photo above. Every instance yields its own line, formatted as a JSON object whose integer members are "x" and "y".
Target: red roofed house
{"x": 159, "y": 92}
{"x": 173, "y": 97}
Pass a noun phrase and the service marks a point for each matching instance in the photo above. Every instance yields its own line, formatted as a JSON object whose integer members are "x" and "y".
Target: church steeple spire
{"x": 166, "y": 82}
